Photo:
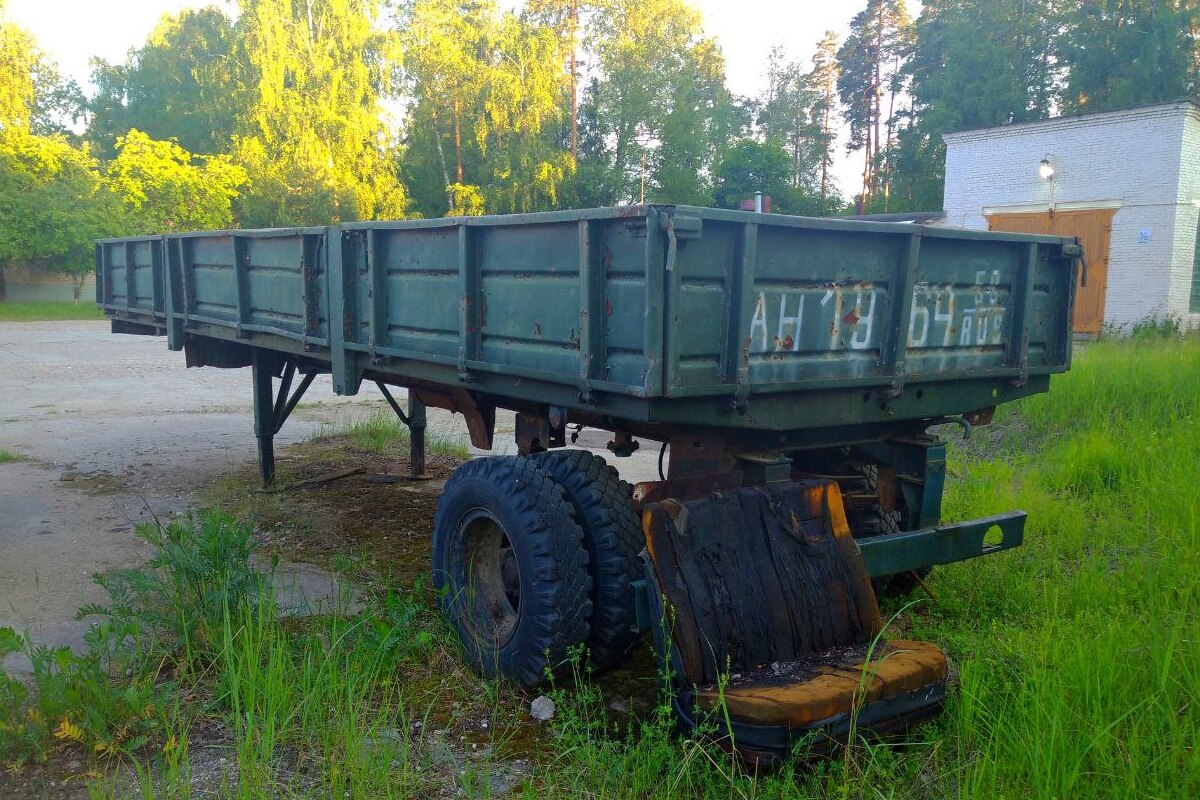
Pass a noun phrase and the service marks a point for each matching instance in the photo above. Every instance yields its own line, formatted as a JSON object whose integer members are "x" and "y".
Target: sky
{"x": 73, "y": 31}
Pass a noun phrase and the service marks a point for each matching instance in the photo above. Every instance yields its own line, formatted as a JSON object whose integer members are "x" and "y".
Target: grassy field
{"x": 1077, "y": 656}
{"x": 40, "y": 312}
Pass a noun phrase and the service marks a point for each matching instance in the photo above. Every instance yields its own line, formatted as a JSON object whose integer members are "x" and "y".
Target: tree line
{"x": 307, "y": 112}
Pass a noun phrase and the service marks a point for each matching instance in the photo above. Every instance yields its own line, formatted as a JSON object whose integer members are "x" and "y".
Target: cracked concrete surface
{"x": 114, "y": 430}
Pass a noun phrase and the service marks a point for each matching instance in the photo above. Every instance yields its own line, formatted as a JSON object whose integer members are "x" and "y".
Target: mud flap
{"x": 764, "y": 616}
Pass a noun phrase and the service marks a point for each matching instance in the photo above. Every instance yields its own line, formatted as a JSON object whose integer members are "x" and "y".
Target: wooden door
{"x": 1093, "y": 227}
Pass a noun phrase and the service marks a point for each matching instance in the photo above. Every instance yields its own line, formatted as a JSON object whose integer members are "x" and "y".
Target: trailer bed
{"x": 783, "y": 327}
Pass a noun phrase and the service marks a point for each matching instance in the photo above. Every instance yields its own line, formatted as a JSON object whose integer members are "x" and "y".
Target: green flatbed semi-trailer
{"x": 771, "y": 354}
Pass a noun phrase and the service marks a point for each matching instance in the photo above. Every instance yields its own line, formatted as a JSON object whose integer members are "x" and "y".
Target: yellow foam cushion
{"x": 895, "y": 667}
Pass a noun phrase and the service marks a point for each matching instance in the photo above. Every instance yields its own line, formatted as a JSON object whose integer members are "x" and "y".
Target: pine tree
{"x": 823, "y": 82}
{"x": 1121, "y": 53}
{"x": 973, "y": 64}
{"x": 871, "y": 66}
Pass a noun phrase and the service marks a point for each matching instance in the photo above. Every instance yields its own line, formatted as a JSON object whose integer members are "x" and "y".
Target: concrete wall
{"x": 25, "y": 284}
{"x": 1128, "y": 160}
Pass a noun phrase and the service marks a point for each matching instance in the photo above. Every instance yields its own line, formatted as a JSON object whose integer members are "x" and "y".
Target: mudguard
{"x": 764, "y": 616}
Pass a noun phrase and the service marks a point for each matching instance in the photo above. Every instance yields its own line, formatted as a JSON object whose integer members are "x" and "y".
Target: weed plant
{"x": 308, "y": 704}
{"x": 384, "y": 433}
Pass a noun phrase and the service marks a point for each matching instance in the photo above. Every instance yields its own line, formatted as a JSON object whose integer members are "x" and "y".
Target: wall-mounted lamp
{"x": 1046, "y": 168}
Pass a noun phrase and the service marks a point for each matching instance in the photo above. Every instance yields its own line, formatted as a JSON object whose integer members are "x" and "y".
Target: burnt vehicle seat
{"x": 760, "y": 601}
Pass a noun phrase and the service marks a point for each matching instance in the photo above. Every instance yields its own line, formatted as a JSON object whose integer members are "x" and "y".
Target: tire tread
{"x": 562, "y": 581}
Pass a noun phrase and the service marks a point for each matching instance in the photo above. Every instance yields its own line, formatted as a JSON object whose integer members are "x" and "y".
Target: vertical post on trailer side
{"x": 416, "y": 435}
{"x": 264, "y": 417}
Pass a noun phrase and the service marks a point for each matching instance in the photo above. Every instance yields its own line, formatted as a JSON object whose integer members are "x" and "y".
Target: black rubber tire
{"x": 613, "y": 536}
{"x": 516, "y": 497}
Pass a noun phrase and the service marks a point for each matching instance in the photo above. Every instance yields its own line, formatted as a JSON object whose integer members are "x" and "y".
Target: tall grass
{"x": 312, "y": 705}
{"x": 1080, "y": 652}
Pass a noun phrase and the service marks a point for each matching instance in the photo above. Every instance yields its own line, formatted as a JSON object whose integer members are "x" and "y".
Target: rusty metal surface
{"x": 691, "y": 488}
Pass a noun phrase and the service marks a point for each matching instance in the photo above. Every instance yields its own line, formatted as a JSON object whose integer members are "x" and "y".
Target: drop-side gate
{"x": 792, "y": 368}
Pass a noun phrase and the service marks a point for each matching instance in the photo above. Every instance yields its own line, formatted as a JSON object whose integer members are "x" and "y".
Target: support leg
{"x": 264, "y": 417}
{"x": 416, "y": 435}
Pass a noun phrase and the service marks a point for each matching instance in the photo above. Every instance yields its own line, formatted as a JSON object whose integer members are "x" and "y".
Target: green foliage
{"x": 1078, "y": 651}
{"x": 199, "y": 611}
{"x": 85, "y": 699}
{"x": 957, "y": 84}
{"x": 870, "y": 79}
{"x": 175, "y": 606}
{"x": 787, "y": 115}
{"x": 18, "y": 61}
{"x": 795, "y": 114}
{"x": 312, "y": 139}
{"x": 1155, "y": 327}
{"x": 164, "y": 188}
{"x": 53, "y": 202}
{"x": 489, "y": 89}
{"x": 661, "y": 96}
{"x": 58, "y": 102}
{"x": 749, "y": 166}
{"x": 1121, "y": 53}
{"x": 180, "y": 85}
{"x": 33, "y": 94}
{"x": 384, "y": 433}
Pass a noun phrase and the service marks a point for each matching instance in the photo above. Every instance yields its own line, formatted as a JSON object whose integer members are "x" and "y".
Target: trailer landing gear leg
{"x": 416, "y": 438}
{"x": 272, "y": 410}
{"x": 415, "y": 421}
{"x": 263, "y": 418}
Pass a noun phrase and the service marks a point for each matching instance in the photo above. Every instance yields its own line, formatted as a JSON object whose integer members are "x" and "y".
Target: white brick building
{"x": 1126, "y": 182}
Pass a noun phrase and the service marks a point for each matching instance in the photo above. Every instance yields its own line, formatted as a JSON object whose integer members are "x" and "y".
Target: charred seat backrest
{"x": 758, "y": 575}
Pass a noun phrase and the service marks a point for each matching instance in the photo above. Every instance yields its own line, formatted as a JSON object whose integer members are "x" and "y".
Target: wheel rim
{"x": 490, "y": 581}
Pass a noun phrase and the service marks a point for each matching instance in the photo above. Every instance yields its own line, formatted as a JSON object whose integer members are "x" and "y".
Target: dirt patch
{"x": 95, "y": 483}
{"x": 375, "y": 522}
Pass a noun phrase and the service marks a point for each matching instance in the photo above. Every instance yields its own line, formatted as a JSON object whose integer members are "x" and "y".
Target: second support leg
{"x": 416, "y": 435}
{"x": 264, "y": 418}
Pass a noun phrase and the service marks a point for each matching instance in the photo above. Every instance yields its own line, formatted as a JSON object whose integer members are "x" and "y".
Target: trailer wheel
{"x": 509, "y": 562}
{"x": 613, "y": 537}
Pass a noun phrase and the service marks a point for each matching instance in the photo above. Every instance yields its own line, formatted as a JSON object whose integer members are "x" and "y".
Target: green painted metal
{"x": 895, "y": 553}
{"x": 919, "y": 463}
{"x": 794, "y": 331}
